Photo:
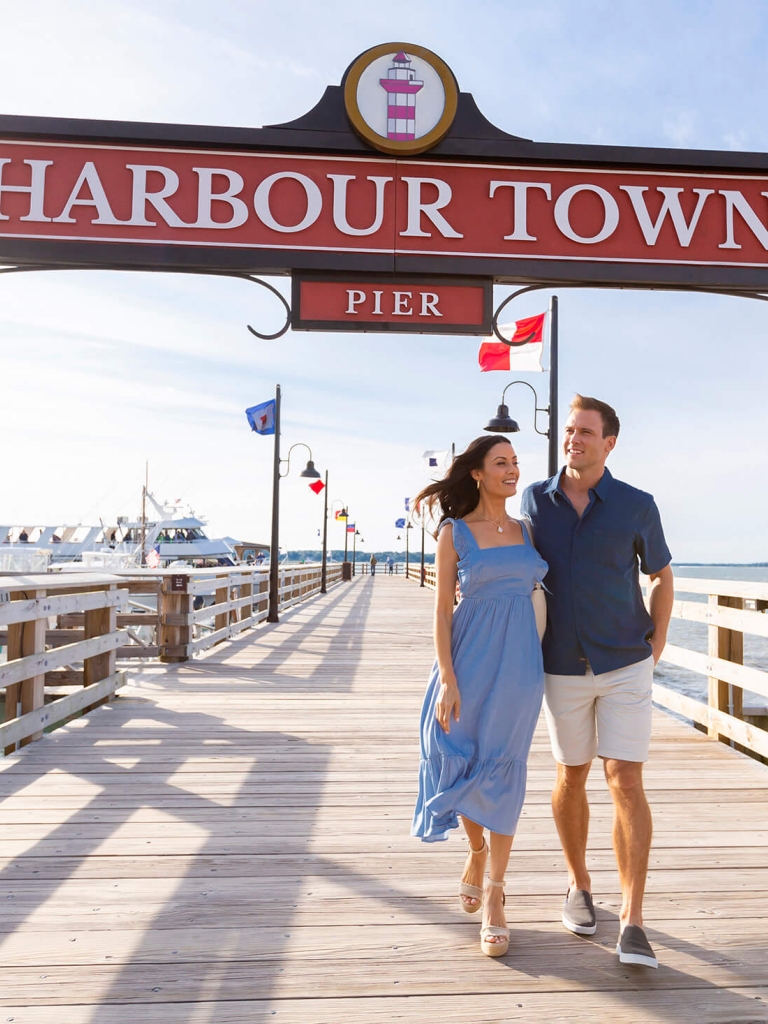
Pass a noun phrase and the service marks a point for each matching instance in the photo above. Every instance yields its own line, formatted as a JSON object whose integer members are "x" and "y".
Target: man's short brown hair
{"x": 611, "y": 425}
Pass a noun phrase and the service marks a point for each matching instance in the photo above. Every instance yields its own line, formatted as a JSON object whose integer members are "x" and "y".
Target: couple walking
{"x": 590, "y": 533}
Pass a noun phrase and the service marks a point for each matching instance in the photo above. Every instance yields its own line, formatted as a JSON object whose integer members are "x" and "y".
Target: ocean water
{"x": 693, "y": 635}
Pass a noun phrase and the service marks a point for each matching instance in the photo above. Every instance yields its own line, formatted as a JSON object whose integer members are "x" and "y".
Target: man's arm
{"x": 661, "y": 596}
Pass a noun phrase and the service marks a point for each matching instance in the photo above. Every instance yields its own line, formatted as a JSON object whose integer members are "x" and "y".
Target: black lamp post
{"x": 324, "y": 569}
{"x": 274, "y": 555}
{"x": 408, "y": 526}
{"x": 343, "y": 514}
{"x": 421, "y": 582}
{"x": 355, "y": 535}
{"x": 502, "y": 423}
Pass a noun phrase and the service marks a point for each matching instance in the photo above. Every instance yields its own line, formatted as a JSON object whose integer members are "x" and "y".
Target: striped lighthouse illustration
{"x": 401, "y": 86}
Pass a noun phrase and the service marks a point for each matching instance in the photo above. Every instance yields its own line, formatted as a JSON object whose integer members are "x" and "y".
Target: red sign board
{"x": 301, "y": 209}
{"x": 406, "y": 305}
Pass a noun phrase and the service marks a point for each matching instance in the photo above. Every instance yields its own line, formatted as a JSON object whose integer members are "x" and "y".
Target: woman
{"x": 488, "y": 675}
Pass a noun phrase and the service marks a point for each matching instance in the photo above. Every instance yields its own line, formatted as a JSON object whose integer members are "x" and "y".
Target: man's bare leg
{"x": 570, "y": 810}
{"x": 632, "y": 834}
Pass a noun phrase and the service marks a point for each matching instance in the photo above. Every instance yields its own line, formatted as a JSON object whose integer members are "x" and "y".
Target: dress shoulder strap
{"x": 459, "y": 535}
{"x": 527, "y": 528}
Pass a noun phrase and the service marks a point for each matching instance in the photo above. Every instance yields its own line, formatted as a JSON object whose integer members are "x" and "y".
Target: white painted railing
{"x": 65, "y": 631}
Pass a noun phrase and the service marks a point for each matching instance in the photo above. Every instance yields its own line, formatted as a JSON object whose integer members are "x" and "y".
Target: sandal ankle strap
{"x": 497, "y": 885}
{"x": 483, "y": 848}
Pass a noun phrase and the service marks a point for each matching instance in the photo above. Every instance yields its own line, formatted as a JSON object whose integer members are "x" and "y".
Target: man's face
{"x": 584, "y": 446}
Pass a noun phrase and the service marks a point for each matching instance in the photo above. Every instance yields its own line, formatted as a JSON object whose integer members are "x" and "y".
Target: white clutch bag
{"x": 539, "y": 600}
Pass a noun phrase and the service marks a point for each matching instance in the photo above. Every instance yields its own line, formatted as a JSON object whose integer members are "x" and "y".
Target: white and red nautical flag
{"x": 525, "y": 352}
{"x": 316, "y": 486}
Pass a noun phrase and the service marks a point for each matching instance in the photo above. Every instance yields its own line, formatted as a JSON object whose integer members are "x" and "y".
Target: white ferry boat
{"x": 168, "y": 535}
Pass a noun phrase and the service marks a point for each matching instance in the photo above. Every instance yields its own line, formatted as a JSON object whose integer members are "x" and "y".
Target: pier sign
{"x": 400, "y": 304}
{"x": 394, "y": 172}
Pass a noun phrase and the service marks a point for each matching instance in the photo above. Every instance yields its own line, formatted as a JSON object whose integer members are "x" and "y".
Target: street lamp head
{"x": 502, "y": 422}
{"x": 310, "y": 471}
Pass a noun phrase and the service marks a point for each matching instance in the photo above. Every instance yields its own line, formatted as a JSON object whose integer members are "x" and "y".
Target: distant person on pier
{"x": 484, "y": 693}
{"x": 391, "y": 565}
{"x": 600, "y": 648}
{"x": 373, "y": 565}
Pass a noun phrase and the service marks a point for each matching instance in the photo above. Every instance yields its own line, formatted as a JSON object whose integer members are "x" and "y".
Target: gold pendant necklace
{"x": 499, "y": 527}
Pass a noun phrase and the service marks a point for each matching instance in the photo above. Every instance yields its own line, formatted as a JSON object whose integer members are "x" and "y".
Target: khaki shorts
{"x": 607, "y": 715}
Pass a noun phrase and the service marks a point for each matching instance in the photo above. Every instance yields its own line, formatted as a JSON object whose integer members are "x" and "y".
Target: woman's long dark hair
{"x": 456, "y": 495}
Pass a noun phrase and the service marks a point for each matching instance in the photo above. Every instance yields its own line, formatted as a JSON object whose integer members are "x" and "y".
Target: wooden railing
{"x": 65, "y": 631}
{"x": 34, "y": 668}
{"x": 414, "y": 573}
{"x": 732, "y": 609}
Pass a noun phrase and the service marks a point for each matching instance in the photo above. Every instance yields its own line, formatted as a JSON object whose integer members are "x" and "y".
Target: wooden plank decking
{"x": 228, "y": 842}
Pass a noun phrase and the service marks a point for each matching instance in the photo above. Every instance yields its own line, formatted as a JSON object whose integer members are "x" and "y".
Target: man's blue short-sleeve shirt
{"x": 595, "y": 608}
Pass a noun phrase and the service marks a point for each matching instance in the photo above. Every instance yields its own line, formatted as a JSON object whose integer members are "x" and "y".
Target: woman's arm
{"x": 446, "y": 562}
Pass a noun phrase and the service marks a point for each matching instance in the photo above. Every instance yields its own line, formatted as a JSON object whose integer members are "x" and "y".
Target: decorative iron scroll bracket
{"x": 271, "y": 288}
{"x": 206, "y": 273}
{"x": 549, "y": 286}
{"x": 555, "y": 286}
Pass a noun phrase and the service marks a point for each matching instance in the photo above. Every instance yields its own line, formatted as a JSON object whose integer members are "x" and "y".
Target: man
{"x": 600, "y": 648}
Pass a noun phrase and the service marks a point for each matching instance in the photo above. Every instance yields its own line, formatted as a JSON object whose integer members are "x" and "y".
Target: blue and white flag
{"x": 435, "y": 461}
{"x": 262, "y": 417}
{"x": 399, "y": 524}
{"x": 407, "y": 504}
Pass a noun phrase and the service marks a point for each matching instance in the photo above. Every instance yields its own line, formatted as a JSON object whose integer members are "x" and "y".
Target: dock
{"x": 227, "y": 841}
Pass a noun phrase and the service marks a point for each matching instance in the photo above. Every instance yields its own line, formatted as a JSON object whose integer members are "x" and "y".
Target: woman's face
{"x": 500, "y": 473}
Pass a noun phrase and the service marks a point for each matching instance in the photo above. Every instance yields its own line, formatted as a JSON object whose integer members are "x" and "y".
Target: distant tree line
{"x": 337, "y": 555}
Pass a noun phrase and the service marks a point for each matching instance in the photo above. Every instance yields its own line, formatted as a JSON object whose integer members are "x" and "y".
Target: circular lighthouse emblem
{"x": 400, "y": 98}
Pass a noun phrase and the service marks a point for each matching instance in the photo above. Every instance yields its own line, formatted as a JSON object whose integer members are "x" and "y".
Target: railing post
{"x": 97, "y": 622}
{"x": 25, "y": 638}
{"x": 263, "y": 602}
{"x": 221, "y": 597}
{"x": 729, "y": 645}
{"x": 175, "y": 631}
{"x": 246, "y": 590}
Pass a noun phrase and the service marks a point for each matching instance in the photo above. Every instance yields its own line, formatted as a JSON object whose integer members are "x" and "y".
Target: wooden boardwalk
{"x": 228, "y": 842}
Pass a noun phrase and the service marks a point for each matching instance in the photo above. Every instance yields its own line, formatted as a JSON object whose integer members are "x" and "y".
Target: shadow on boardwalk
{"x": 229, "y": 843}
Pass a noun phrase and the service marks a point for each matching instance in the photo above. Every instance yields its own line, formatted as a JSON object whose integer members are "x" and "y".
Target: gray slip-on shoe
{"x": 579, "y": 912}
{"x": 634, "y": 948}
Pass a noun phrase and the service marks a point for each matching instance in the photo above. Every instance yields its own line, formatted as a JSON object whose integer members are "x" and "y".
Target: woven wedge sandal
{"x": 472, "y": 891}
{"x": 490, "y": 930}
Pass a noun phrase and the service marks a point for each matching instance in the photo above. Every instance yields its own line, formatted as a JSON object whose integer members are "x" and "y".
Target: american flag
{"x": 153, "y": 557}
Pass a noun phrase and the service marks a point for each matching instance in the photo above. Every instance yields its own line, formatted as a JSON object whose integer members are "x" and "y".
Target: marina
{"x": 169, "y": 534}
{"x": 227, "y": 841}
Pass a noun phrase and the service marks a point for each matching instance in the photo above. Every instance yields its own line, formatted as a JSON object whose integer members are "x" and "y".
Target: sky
{"x": 102, "y": 371}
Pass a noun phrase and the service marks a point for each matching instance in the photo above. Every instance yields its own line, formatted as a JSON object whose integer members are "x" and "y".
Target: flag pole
{"x": 553, "y": 433}
{"x": 274, "y": 551}
{"x": 324, "y": 570}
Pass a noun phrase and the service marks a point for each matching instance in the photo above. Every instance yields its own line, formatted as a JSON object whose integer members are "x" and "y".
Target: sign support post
{"x": 554, "y": 435}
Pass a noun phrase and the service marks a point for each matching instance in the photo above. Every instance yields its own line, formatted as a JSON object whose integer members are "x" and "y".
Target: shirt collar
{"x": 602, "y": 490}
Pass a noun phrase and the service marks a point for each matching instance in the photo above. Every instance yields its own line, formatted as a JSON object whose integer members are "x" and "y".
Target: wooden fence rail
{"x": 732, "y": 609}
{"x": 66, "y": 631}
{"x": 30, "y": 602}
